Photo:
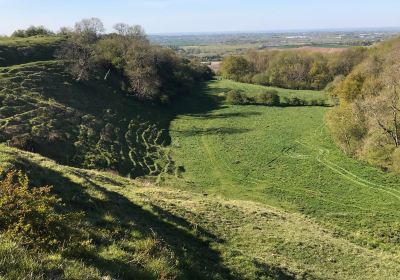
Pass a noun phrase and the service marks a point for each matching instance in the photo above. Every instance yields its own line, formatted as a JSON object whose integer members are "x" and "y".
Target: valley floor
{"x": 259, "y": 193}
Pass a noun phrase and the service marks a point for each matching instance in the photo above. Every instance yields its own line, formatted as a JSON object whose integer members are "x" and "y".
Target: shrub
{"x": 295, "y": 101}
{"x": 32, "y": 31}
{"x": 317, "y": 102}
{"x": 270, "y": 98}
{"x": 28, "y": 215}
{"x": 235, "y": 98}
{"x": 23, "y": 142}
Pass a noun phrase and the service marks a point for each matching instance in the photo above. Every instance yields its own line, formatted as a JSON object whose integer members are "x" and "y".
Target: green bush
{"x": 295, "y": 101}
{"x": 235, "y": 98}
{"x": 29, "y": 217}
{"x": 269, "y": 98}
{"x": 32, "y": 31}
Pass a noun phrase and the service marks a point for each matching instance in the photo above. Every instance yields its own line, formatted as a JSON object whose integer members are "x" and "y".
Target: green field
{"x": 284, "y": 157}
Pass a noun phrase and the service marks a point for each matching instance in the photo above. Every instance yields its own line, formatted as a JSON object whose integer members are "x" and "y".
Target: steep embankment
{"x": 90, "y": 124}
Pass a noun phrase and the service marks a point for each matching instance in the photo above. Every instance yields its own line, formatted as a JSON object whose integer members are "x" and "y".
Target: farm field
{"x": 285, "y": 158}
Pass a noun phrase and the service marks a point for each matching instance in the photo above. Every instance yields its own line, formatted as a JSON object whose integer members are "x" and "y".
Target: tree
{"x": 235, "y": 68}
{"x": 78, "y": 52}
{"x": 142, "y": 72}
{"x": 132, "y": 31}
{"x": 383, "y": 109}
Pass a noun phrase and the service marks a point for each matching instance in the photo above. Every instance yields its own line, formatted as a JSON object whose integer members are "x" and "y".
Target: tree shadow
{"x": 197, "y": 260}
{"x": 273, "y": 272}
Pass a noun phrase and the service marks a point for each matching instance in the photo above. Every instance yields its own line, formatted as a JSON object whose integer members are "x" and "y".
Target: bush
{"x": 318, "y": 102}
{"x": 235, "y": 98}
{"x": 32, "y": 31}
{"x": 260, "y": 79}
{"x": 29, "y": 217}
{"x": 295, "y": 101}
{"x": 23, "y": 142}
{"x": 269, "y": 98}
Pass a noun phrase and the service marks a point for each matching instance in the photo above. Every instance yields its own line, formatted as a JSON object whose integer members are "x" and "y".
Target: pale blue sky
{"x": 170, "y": 16}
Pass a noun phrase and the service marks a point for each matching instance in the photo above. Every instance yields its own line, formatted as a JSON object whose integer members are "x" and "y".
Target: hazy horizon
{"x": 161, "y": 17}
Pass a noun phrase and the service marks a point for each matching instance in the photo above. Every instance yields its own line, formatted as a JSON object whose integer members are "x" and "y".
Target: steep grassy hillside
{"x": 23, "y": 50}
{"x": 135, "y": 230}
{"x": 90, "y": 124}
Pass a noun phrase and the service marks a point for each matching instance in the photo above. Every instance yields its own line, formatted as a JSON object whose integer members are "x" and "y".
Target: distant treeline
{"x": 292, "y": 69}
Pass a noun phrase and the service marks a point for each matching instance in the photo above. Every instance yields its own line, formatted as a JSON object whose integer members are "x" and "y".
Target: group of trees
{"x": 366, "y": 124}
{"x": 150, "y": 72}
{"x": 291, "y": 69}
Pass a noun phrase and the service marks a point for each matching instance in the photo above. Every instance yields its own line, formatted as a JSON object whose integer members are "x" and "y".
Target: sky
{"x": 190, "y": 16}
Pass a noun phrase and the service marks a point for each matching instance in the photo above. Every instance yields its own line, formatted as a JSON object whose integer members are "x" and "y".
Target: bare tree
{"x": 130, "y": 31}
{"x": 383, "y": 108}
{"x": 79, "y": 51}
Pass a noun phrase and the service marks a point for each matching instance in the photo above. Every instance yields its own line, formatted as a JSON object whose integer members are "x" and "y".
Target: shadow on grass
{"x": 273, "y": 272}
{"x": 196, "y": 259}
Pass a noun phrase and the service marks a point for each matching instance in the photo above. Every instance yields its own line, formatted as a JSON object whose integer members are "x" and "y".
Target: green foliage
{"x": 269, "y": 98}
{"x": 366, "y": 123}
{"x": 32, "y": 31}
{"x": 235, "y": 68}
{"x": 234, "y": 97}
{"x": 152, "y": 72}
{"x": 28, "y": 215}
{"x": 291, "y": 69}
{"x": 346, "y": 128}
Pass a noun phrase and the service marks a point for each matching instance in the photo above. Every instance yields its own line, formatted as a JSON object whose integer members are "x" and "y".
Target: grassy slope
{"x": 146, "y": 232}
{"x": 284, "y": 157}
{"x": 262, "y": 210}
{"x": 89, "y": 124}
{"x": 23, "y": 50}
